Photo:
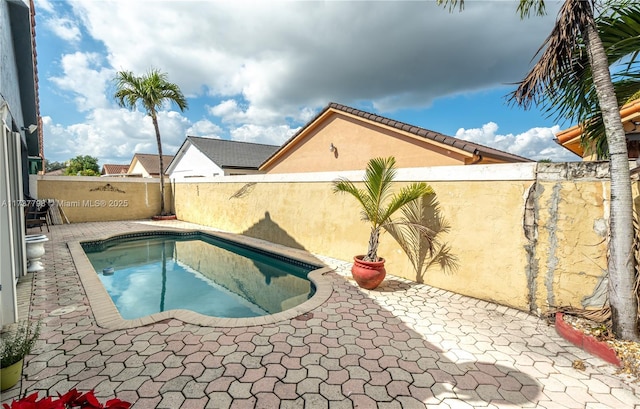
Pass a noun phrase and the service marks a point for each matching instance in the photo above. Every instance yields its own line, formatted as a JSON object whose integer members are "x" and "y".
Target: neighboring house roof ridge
{"x": 467, "y": 146}
{"x": 113, "y": 168}
{"x": 151, "y": 161}
{"x": 232, "y": 154}
{"x": 229, "y": 140}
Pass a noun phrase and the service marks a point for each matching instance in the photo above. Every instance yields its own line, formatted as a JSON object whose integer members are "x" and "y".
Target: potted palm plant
{"x": 378, "y": 206}
{"x": 14, "y": 346}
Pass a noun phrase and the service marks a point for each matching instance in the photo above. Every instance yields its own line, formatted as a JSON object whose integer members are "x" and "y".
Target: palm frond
{"x": 556, "y": 53}
{"x": 571, "y": 96}
{"x": 418, "y": 232}
{"x": 377, "y": 203}
{"x": 528, "y": 7}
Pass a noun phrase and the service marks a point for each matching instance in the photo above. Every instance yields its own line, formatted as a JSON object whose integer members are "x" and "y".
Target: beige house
{"x": 109, "y": 169}
{"x": 146, "y": 165}
{"x": 342, "y": 138}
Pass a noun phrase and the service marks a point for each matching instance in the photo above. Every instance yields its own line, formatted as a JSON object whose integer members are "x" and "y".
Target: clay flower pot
{"x": 368, "y": 274}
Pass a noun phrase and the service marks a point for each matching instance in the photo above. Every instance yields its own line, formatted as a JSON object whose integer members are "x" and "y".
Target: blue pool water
{"x": 197, "y": 272}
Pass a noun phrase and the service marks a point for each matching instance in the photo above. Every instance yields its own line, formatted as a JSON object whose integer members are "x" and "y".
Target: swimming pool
{"x": 200, "y": 272}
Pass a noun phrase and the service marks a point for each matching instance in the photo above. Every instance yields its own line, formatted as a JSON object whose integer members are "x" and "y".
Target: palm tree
{"x": 576, "y": 23}
{"x": 152, "y": 90}
{"x": 378, "y": 204}
{"x": 575, "y": 99}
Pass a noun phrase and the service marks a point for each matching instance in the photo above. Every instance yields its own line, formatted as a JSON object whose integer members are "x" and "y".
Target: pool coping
{"x": 107, "y": 316}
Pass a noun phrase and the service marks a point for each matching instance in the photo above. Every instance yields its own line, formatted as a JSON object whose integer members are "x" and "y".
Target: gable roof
{"x": 233, "y": 154}
{"x": 151, "y": 162}
{"x": 111, "y": 169}
{"x": 471, "y": 148}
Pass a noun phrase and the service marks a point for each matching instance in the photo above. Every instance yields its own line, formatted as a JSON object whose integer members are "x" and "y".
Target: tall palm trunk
{"x": 624, "y": 308}
{"x": 154, "y": 118}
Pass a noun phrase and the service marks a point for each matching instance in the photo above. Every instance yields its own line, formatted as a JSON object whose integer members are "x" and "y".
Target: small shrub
{"x": 16, "y": 344}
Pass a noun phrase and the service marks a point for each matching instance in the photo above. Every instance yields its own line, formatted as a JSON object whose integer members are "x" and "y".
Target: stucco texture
{"x": 529, "y": 244}
{"x": 572, "y": 237}
{"x": 89, "y": 199}
{"x": 486, "y": 233}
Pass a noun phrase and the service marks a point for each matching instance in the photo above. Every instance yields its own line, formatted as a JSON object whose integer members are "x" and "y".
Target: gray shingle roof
{"x": 233, "y": 154}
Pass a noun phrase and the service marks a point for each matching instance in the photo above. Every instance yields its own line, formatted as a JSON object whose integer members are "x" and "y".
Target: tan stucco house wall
{"x": 343, "y": 138}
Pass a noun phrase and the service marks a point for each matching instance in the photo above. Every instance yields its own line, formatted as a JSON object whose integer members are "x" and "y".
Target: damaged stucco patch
{"x": 571, "y": 247}
{"x": 599, "y": 297}
{"x": 552, "y": 229}
{"x": 530, "y": 226}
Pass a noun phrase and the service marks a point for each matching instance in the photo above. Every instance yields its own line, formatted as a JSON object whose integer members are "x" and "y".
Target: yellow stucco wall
{"x": 560, "y": 263}
{"x": 88, "y": 199}
{"x": 527, "y": 242}
{"x": 357, "y": 142}
{"x": 572, "y": 230}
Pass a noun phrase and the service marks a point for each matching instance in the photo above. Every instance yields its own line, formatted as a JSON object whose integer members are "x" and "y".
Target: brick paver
{"x": 404, "y": 345}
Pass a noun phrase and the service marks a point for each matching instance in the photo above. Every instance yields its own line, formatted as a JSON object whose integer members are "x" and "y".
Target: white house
{"x": 20, "y": 135}
{"x": 202, "y": 157}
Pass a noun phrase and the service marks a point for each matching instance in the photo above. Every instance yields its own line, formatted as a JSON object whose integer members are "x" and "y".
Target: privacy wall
{"x": 531, "y": 236}
{"x": 92, "y": 199}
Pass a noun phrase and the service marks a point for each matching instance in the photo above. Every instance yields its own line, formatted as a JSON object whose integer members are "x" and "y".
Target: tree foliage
{"x": 574, "y": 99}
{"x": 51, "y": 166}
{"x": 83, "y": 166}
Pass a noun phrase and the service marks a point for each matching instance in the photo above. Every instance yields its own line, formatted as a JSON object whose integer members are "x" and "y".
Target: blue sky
{"x": 258, "y": 71}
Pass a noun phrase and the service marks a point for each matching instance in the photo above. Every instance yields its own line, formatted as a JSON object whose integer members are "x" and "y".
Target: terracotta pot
{"x": 10, "y": 375}
{"x": 368, "y": 274}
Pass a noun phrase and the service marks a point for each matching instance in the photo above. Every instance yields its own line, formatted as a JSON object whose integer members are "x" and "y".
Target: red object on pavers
{"x": 586, "y": 342}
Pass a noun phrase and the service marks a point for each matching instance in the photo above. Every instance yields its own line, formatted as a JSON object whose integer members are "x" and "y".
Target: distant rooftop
{"x": 233, "y": 154}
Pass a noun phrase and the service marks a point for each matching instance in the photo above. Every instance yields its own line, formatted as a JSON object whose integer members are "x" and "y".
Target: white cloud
{"x": 205, "y": 128}
{"x": 231, "y": 112}
{"x": 114, "y": 135}
{"x": 308, "y": 53}
{"x": 86, "y": 79}
{"x": 536, "y": 143}
{"x": 44, "y": 5}
{"x": 264, "y": 68}
{"x": 64, "y": 28}
{"x": 273, "y": 135}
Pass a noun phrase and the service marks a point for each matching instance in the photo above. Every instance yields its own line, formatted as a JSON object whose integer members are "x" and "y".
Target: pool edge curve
{"x": 107, "y": 316}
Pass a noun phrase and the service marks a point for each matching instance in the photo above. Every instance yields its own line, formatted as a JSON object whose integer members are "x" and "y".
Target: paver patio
{"x": 403, "y": 345}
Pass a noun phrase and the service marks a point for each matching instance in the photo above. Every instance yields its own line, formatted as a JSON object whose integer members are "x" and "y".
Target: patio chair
{"x": 36, "y": 216}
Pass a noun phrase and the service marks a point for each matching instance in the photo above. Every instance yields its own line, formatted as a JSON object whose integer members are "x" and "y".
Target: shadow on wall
{"x": 423, "y": 245}
{"x": 267, "y": 229}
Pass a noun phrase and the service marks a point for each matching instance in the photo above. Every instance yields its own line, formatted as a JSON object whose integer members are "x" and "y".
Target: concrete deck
{"x": 403, "y": 345}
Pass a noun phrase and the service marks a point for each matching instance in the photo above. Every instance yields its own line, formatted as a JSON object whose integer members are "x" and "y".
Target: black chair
{"x": 37, "y": 214}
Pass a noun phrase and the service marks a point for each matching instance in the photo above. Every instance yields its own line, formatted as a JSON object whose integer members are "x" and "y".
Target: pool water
{"x": 197, "y": 272}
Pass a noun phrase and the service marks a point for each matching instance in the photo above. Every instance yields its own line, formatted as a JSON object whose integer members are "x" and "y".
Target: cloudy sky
{"x": 258, "y": 71}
